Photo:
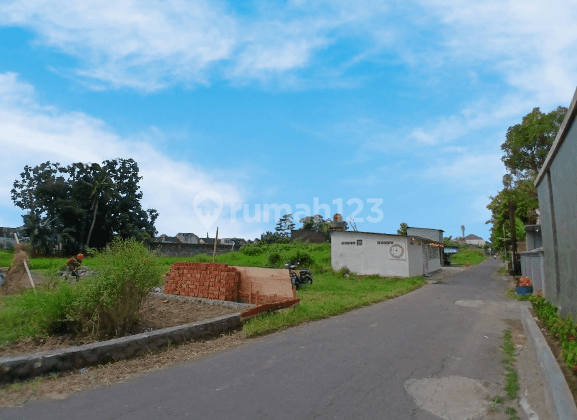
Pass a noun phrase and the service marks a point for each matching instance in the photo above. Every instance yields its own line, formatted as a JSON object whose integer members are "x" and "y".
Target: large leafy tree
{"x": 525, "y": 149}
{"x": 527, "y": 144}
{"x": 82, "y": 205}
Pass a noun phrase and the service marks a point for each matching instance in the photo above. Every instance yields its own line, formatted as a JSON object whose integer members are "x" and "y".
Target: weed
{"x": 511, "y": 375}
{"x": 511, "y": 413}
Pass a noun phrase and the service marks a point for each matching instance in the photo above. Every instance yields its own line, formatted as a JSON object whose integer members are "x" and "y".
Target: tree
{"x": 403, "y": 230}
{"x": 82, "y": 205}
{"x": 524, "y": 195}
{"x": 284, "y": 225}
{"x": 527, "y": 144}
{"x": 463, "y": 231}
{"x": 318, "y": 224}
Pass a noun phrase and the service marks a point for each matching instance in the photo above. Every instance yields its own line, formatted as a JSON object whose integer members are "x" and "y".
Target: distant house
{"x": 7, "y": 240}
{"x": 188, "y": 238}
{"x": 165, "y": 239}
{"x": 474, "y": 240}
{"x": 236, "y": 242}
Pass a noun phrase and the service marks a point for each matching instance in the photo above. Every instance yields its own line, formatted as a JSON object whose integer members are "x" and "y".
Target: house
{"x": 188, "y": 238}
{"x": 7, "y": 240}
{"x": 557, "y": 189}
{"x": 384, "y": 254}
{"x": 432, "y": 234}
{"x": 474, "y": 240}
{"x": 165, "y": 239}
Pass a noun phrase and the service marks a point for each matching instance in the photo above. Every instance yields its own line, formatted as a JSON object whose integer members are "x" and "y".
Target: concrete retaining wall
{"x": 189, "y": 250}
{"x": 61, "y": 360}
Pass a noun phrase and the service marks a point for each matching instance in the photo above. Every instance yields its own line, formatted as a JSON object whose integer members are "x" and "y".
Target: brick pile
{"x": 205, "y": 280}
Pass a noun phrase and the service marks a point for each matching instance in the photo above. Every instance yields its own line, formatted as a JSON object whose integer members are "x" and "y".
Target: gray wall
{"x": 189, "y": 250}
{"x": 533, "y": 266}
{"x": 557, "y": 190}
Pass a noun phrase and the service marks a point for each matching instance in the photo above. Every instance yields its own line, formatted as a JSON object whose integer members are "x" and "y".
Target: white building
{"x": 385, "y": 255}
{"x": 474, "y": 240}
{"x": 433, "y": 234}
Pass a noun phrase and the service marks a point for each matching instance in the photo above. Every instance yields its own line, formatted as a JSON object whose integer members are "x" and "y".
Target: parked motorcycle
{"x": 300, "y": 277}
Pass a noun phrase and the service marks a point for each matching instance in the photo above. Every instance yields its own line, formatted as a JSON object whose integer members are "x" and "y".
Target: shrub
{"x": 252, "y": 249}
{"x": 108, "y": 303}
{"x": 300, "y": 256}
{"x": 29, "y": 314}
{"x": 202, "y": 258}
{"x": 273, "y": 258}
{"x": 343, "y": 271}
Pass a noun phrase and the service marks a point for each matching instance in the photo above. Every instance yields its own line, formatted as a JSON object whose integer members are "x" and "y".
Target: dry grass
{"x": 60, "y": 387}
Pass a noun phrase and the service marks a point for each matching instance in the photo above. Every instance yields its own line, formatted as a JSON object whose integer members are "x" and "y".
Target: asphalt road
{"x": 435, "y": 350}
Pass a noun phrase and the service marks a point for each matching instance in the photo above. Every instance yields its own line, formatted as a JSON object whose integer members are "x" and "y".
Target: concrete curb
{"x": 27, "y": 366}
{"x": 558, "y": 397}
{"x": 237, "y": 305}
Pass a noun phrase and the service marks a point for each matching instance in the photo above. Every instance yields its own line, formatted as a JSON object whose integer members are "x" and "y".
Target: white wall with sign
{"x": 383, "y": 254}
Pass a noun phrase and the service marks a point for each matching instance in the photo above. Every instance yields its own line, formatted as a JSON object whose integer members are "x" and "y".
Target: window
{"x": 359, "y": 241}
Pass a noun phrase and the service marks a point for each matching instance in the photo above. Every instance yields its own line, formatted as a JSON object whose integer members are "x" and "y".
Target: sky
{"x": 383, "y": 111}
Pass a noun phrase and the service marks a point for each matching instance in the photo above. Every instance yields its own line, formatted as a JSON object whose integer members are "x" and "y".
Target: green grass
{"x": 469, "y": 256}
{"x": 33, "y": 315}
{"x": 512, "y": 294}
{"x": 40, "y": 264}
{"x": 330, "y": 295}
{"x": 511, "y": 376}
{"x": 5, "y": 258}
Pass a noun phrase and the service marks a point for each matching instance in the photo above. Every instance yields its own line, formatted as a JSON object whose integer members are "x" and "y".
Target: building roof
{"x": 389, "y": 234}
{"x": 474, "y": 237}
{"x": 414, "y": 227}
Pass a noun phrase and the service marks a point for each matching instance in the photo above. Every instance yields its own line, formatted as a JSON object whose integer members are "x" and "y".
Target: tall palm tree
{"x": 463, "y": 230}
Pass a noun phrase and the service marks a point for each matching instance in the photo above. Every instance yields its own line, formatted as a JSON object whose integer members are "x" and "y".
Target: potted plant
{"x": 524, "y": 286}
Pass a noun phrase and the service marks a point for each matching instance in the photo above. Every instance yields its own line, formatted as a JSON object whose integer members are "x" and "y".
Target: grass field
{"x": 470, "y": 256}
{"x": 330, "y": 294}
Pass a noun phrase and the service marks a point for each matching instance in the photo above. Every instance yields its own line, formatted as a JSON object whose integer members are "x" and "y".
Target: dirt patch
{"x": 60, "y": 387}
{"x": 156, "y": 313}
{"x": 555, "y": 346}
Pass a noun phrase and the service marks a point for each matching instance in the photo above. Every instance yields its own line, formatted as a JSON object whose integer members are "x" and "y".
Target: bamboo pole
{"x": 215, "y": 242}
{"x": 26, "y": 265}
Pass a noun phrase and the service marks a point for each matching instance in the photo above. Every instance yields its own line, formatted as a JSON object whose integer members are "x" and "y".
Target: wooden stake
{"x": 215, "y": 242}
{"x": 26, "y": 266}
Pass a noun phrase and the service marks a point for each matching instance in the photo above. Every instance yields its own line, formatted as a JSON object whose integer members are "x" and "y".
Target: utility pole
{"x": 514, "y": 266}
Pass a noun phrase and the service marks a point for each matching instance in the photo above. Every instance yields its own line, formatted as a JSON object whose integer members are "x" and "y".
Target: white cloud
{"x": 31, "y": 134}
{"x": 150, "y": 45}
{"x": 529, "y": 42}
{"x": 471, "y": 170}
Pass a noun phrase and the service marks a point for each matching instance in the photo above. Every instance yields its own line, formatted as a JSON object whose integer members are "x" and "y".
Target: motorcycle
{"x": 299, "y": 277}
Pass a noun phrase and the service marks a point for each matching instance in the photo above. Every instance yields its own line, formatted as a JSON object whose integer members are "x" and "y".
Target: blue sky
{"x": 393, "y": 106}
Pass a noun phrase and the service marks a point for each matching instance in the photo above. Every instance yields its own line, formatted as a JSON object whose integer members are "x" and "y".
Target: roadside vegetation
{"x": 469, "y": 256}
{"x": 102, "y": 305}
{"x": 512, "y": 384}
{"x": 105, "y": 302}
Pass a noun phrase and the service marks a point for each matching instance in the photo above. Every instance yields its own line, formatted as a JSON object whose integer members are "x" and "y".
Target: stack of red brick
{"x": 205, "y": 280}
